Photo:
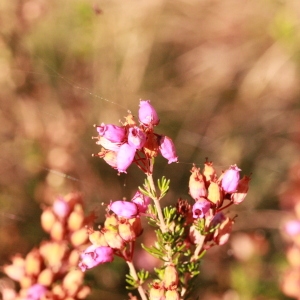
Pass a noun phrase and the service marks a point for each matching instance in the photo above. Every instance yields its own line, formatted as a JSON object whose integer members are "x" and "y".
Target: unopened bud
{"x": 170, "y": 278}
{"x": 172, "y": 295}
{"x": 126, "y": 232}
{"x": 230, "y": 179}
{"x": 72, "y": 281}
{"x": 53, "y": 253}
{"x": 215, "y": 194}
{"x": 209, "y": 172}
{"x": 33, "y": 263}
{"x": 46, "y": 277}
{"x": 111, "y": 220}
{"x": 17, "y": 269}
{"x": 76, "y": 218}
{"x": 26, "y": 282}
{"x": 57, "y": 231}
{"x": 83, "y": 292}
{"x": 136, "y": 225}
{"x": 196, "y": 184}
{"x": 241, "y": 191}
{"x": 79, "y": 237}
{"x": 97, "y": 238}
{"x": 48, "y": 219}
{"x": 74, "y": 258}
{"x": 157, "y": 291}
{"x": 113, "y": 239}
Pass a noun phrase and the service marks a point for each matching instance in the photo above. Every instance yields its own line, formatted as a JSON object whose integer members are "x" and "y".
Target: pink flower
{"x": 125, "y": 157}
{"x": 200, "y": 208}
{"x": 167, "y": 149}
{"x": 141, "y": 201}
{"x": 231, "y": 179}
{"x": 292, "y": 227}
{"x": 136, "y": 137}
{"x": 124, "y": 209}
{"x": 113, "y": 133}
{"x": 36, "y": 292}
{"x": 94, "y": 255}
{"x": 147, "y": 114}
{"x": 108, "y": 144}
{"x": 61, "y": 208}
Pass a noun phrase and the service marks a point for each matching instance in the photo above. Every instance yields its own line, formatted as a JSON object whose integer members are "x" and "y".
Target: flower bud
{"x": 97, "y": 238}
{"x": 172, "y": 295}
{"x": 53, "y": 253}
{"x": 57, "y": 231}
{"x": 231, "y": 179}
{"x": 17, "y": 269}
{"x": 111, "y": 220}
{"x": 147, "y": 114}
{"x": 83, "y": 292}
{"x": 79, "y": 237}
{"x": 94, "y": 256}
{"x": 72, "y": 281}
{"x": 108, "y": 145}
{"x": 48, "y": 219}
{"x": 215, "y": 194}
{"x": 45, "y": 278}
{"x": 170, "y": 278}
{"x": 142, "y": 201}
{"x": 110, "y": 157}
{"x": 221, "y": 235}
{"x": 241, "y": 191}
{"x": 73, "y": 258}
{"x": 113, "y": 239}
{"x": 126, "y": 231}
{"x": 124, "y": 209}
{"x": 157, "y": 291}
{"x": 61, "y": 208}
{"x": 33, "y": 263}
{"x": 125, "y": 157}
{"x": 292, "y": 227}
{"x": 113, "y": 133}
{"x": 196, "y": 184}
{"x": 200, "y": 208}
{"x": 136, "y": 225}
{"x": 76, "y": 218}
{"x": 167, "y": 149}
{"x": 136, "y": 137}
{"x": 209, "y": 172}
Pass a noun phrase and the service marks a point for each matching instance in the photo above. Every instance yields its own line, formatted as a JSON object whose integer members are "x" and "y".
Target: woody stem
{"x": 163, "y": 226}
{"x": 136, "y": 278}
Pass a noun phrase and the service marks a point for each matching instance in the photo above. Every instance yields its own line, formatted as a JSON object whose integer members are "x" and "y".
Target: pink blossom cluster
{"x": 117, "y": 236}
{"x": 134, "y": 142}
{"x": 210, "y": 194}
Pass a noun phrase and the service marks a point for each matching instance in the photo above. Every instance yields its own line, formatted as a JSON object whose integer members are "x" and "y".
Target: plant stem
{"x": 133, "y": 273}
{"x": 162, "y": 226}
{"x": 198, "y": 248}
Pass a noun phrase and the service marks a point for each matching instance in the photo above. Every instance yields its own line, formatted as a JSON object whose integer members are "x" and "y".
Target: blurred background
{"x": 224, "y": 79}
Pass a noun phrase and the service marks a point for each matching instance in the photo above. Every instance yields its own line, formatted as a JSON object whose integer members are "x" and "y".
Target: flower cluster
{"x": 117, "y": 236}
{"x": 210, "y": 194}
{"x": 132, "y": 142}
{"x": 50, "y": 271}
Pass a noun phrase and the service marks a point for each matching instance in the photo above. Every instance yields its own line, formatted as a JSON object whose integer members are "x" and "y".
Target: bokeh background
{"x": 224, "y": 79}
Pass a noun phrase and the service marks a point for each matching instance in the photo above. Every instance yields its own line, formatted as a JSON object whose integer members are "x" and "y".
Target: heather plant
{"x": 184, "y": 231}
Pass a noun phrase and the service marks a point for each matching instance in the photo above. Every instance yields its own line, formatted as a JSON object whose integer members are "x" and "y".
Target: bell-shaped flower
{"x": 142, "y": 201}
{"x": 94, "y": 255}
{"x": 124, "y": 209}
{"x": 136, "y": 137}
{"x": 113, "y": 133}
{"x": 230, "y": 179}
{"x": 125, "y": 157}
{"x": 147, "y": 114}
{"x": 105, "y": 143}
{"x": 167, "y": 149}
{"x": 200, "y": 208}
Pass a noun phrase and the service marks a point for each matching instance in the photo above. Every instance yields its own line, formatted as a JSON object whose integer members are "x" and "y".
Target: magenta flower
{"x": 94, "y": 255}
{"x": 136, "y": 137}
{"x": 113, "y": 133}
{"x": 36, "y": 292}
{"x": 147, "y": 114}
{"x": 141, "y": 201}
{"x": 61, "y": 208}
{"x": 167, "y": 149}
{"x": 125, "y": 157}
{"x": 200, "y": 208}
{"x": 231, "y": 179}
{"x": 124, "y": 209}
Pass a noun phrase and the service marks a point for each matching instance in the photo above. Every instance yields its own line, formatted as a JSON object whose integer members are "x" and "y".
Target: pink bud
{"x": 167, "y": 149}
{"x": 231, "y": 179}
{"x": 113, "y": 133}
{"x": 136, "y": 137}
{"x": 141, "y": 201}
{"x": 200, "y": 208}
{"x": 93, "y": 256}
{"x": 61, "y": 208}
{"x": 125, "y": 157}
{"x": 124, "y": 209}
{"x": 292, "y": 227}
{"x": 36, "y": 292}
{"x": 147, "y": 114}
